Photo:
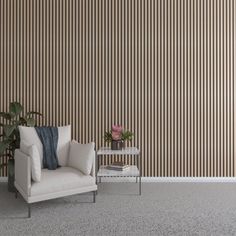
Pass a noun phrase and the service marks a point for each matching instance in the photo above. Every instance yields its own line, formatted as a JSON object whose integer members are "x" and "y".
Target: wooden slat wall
{"x": 165, "y": 69}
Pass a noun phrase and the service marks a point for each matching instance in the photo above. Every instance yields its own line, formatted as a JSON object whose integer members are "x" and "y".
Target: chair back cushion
{"x": 30, "y": 136}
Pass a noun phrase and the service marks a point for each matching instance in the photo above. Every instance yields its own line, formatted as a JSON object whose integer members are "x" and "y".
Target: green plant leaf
{"x": 8, "y": 129}
{"x": 10, "y": 138}
{"x": 31, "y": 122}
{"x": 6, "y": 155}
{"x": 127, "y": 135}
{"x": 6, "y": 115}
{"x": 17, "y": 137}
{"x": 4, "y": 145}
{"x": 22, "y": 121}
{"x": 15, "y": 108}
{"x": 33, "y": 113}
{"x": 14, "y": 145}
{"x": 108, "y": 137}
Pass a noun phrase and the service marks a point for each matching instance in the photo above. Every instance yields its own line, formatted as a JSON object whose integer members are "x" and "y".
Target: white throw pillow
{"x": 32, "y": 151}
{"x": 81, "y": 156}
{"x": 30, "y": 136}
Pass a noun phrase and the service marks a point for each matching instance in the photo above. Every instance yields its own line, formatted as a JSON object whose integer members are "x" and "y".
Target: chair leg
{"x": 94, "y": 196}
{"x": 16, "y": 194}
{"x": 29, "y": 210}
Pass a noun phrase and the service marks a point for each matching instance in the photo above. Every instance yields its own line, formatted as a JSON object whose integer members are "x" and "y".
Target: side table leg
{"x": 140, "y": 185}
{"x": 29, "y": 210}
{"x": 96, "y": 168}
{"x": 96, "y": 184}
{"x": 140, "y": 173}
{"x": 94, "y": 196}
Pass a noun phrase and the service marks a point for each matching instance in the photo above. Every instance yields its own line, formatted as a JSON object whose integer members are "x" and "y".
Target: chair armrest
{"x": 22, "y": 172}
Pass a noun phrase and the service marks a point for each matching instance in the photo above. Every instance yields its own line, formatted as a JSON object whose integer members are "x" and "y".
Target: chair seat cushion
{"x": 61, "y": 179}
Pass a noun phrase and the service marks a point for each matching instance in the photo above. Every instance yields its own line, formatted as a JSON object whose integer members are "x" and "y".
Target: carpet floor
{"x": 163, "y": 209}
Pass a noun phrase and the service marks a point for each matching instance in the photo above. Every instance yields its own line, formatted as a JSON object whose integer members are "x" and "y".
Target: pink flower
{"x": 117, "y": 128}
{"x": 116, "y": 135}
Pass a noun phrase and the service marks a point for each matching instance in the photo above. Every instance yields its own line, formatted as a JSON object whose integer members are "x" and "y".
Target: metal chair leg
{"x": 94, "y": 196}
{"x": 16, "y": 194}
{"x": 29, "y": 210}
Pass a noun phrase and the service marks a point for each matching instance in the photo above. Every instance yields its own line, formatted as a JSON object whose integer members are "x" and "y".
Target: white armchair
{"x": 64, "y": 181}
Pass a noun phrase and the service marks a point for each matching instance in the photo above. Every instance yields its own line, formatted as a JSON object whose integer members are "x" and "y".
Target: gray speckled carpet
{"x": 163, "y": 209}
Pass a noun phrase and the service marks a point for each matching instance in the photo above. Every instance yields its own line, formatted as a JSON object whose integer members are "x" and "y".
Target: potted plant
{"x": 10, "y": 137}
{"x": 117, "y": 136}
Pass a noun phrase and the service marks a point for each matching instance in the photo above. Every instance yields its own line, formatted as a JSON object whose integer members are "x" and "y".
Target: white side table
{"x": 133, "y": 171}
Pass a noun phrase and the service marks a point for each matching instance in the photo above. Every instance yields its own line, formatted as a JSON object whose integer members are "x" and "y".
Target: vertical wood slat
{"x": 164, "y": 69}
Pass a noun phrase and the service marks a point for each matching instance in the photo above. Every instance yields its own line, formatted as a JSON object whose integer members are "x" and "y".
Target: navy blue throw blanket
{"x": 49, "y": 139}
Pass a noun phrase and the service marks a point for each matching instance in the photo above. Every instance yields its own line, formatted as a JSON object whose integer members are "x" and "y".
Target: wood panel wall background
{"x": 164, "y": 69}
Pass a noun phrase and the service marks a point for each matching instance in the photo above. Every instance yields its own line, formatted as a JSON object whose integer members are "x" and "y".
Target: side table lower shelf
{"x": 104, "y": 172}
{"x": 133, "y": 171}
